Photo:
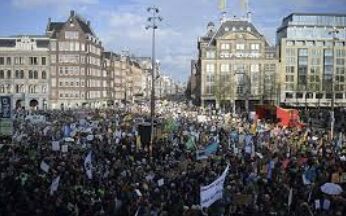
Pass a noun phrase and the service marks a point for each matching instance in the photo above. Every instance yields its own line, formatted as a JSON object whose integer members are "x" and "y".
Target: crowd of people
{"x": 95, "y": 162}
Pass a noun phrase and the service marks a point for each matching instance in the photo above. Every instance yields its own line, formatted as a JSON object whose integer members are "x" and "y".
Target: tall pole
{"x": 334, "y": 32}
{"x": 153, "y": 20}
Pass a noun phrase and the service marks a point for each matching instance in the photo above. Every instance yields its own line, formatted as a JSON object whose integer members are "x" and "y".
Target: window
{"x": 2, "y": 60}
{"x": 17, "y": 74}
{"x": 53, "y": 45}
{"x": 60, "y": 83}
{"x": 240, "y": 46}
{"x": 22, "y": 74}
{"x": 289, "y": 78}
{"x": 255, "y": 46}
{"x": 225, "y": 46}
{"x": 224, "y": 68}
{"x": 8, "y": 61}
{"x": 319, "y": 95}
{"x": 44, "y": 75}
{"x": 71, "y": 35}
{"x": 339, "y": 96}
{"x": 9, "y": 74}
{"x": 43, "y": 61}
{"x": 2, "y": 74}
{"x": 33, "y": 61}
{"x": 289, "y": 69}
{"x": 299, "y": 95}
{"x": 289, "y": 95}
{"x": 35, "y": 74}
{"x": 31, "y": 74}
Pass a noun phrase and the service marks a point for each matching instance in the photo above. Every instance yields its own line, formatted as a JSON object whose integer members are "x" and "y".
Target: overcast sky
{"x": 120, "y": 24}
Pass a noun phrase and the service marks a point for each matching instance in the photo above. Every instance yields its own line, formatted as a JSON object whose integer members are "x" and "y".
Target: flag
{"x": 88, "y": 166}
{"x": 290, "y": 197}
{"x": 54, "y": 186}
{"x": 222, "y": 5}
{"x": 190, "y": 144}
{"x": 44, "y": 166}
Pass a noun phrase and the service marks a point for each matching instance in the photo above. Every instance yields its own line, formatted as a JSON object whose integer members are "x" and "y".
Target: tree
{"x": 223, "y": 91}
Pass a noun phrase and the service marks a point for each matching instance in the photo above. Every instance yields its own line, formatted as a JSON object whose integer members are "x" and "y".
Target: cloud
{"x": 29, "y": 4}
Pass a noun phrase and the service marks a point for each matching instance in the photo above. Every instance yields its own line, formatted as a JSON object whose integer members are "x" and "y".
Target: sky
{"x": 120, "y": 24}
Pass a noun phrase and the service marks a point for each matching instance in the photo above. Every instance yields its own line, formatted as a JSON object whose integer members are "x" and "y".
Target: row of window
{"x": 75, "y": 46}
{"x": 23, "y": 60}
{"x": 310, "y": 95}
{"x": 19, "y": 74}
{"x": 210, "y": 68}
{"x": 314, "y": 87}
{"x": 22, "y": 88}
{"x": 315, "y": 43}
{"x": 316, "y": 78}
{"x": 240, "y": 46}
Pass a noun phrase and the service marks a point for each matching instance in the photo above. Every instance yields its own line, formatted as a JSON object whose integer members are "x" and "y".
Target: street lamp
{"x": 153, "y": 19}
{"x": 333, "y": 32}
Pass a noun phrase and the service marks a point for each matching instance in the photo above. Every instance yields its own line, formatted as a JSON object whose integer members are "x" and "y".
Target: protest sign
{"x": 64, "y": 148}
{"x": 44, "y": 166}
{"x": 214, "y": 191}
{"x": 55, "y": 146}
{"x": 160, "y": 182}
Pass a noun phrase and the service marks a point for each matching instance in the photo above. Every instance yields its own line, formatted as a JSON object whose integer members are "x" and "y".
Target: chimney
{"x": 72, "y": 13}
{"x": 88, "y": 23}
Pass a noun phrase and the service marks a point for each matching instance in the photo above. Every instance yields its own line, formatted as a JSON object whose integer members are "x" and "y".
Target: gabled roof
{"x": 238, "y": 25}
{"x": 85, "y": 27}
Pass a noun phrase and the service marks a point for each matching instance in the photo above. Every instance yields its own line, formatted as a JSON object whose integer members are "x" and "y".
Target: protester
{"x": 92, "y": 162}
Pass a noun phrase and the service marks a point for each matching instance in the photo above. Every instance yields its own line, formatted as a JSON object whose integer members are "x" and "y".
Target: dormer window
{"x": 248, "y": 29}
{"x": 241, "y": 29}
{"x": 234, "y": 29}
{"x": 226, "y": 29}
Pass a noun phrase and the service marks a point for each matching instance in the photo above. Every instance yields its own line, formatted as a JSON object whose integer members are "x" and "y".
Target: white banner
{"x": 213, "y": 191}
{"x": 54, "y": 186}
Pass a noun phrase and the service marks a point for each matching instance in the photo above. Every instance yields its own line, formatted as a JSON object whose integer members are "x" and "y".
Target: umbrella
{"x": 331, "y": 189}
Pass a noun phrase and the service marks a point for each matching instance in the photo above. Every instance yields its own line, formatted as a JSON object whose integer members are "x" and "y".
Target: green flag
{"x": 190, "y": 144}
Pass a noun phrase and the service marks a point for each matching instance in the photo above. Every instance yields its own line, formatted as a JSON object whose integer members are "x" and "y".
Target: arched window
{"x": 31, "y": 75}
{"x": 44, "y": 75}
{"x": 36, "y": 89}
{"x": 2, "y": 74}
{"x": 17, "y": 74}
{"x": 35, "y": 74}
{"x": 22, "y": 74}
{"x": 31, "y": 89}
{"x": 22, "y": 89}
{"x": 9, "y": 74}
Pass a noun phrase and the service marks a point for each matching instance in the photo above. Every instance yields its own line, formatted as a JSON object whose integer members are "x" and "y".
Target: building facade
{"x": 236, "y": 66}
{"x": 24, "y": 70}
{"x": 312, "y": 60}
{"x": 77, "y": 77}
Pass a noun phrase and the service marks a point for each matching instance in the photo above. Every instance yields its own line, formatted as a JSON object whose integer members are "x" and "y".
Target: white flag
{"x": 88, "y": 166}
{"x": 44, "y": 166}
{"x": 55, "y": 184}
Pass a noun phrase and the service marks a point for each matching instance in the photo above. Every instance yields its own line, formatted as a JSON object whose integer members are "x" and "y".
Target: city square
{"x": 106, "y": 111}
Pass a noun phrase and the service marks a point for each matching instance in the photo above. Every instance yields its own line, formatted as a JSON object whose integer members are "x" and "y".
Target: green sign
{"x": 6, "y": 127}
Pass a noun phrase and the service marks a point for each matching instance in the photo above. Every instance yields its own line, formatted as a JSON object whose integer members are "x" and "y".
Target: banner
{"x": 214, "y": 191}
{"x": 6, "y": 107}
{"x": 209, "y": 150}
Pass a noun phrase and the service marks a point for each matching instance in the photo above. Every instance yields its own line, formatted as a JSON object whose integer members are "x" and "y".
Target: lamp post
{"x": 333, "y": 32}
{"x": 153, "y": 19}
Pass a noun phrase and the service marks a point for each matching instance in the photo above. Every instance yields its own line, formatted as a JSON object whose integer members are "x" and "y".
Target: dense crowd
{"x": 273, "y": 170}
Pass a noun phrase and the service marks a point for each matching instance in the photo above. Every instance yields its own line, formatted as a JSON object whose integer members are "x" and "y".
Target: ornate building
{"x": 236, "y": 66}
{"x": 24, "y": 70}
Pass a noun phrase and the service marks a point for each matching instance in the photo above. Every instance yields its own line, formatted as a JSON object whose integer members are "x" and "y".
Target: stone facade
{"x": 24, "y": 70}
{"x": 236, "y": 66}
